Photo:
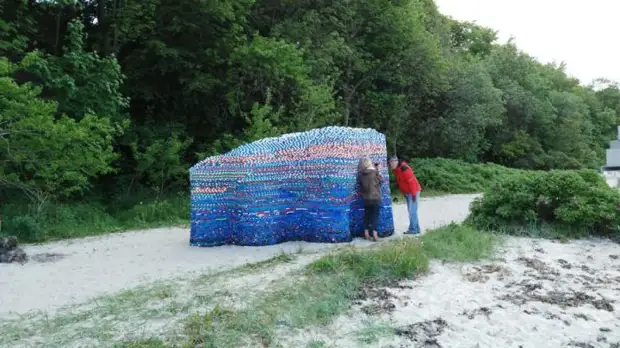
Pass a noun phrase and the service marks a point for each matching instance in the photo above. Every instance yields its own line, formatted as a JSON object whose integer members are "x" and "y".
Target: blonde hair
{"x": 366, "y": 163}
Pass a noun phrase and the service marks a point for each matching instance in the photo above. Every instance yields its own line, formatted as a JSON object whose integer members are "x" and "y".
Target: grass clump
{"x": 564, "y": 204}
{"x": 317, "y": 344}
{"x": 372, "y": 331}
{"x": 147, "y": 343}
{"x": 397, "y": 259}
{"x": 459, "y": 243}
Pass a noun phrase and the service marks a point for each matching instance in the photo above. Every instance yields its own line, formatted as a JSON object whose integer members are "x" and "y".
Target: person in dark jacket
{"x": 410, "y": 187}
{"x": 370, "y": 181}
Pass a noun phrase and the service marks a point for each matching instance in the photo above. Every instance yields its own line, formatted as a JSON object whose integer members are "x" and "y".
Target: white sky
{"x": 585, "y": 34}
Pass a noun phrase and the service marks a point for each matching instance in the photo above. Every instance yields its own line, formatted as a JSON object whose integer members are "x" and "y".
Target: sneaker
{"x": 412, "y": 233}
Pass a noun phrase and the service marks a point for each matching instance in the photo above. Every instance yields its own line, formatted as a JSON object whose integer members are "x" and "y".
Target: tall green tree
{"x": 16, "y": 28}
{"x": 81, "y": 82}
{"x": 467, "y": 110}
{"x": 193, "y": 78}
{"x": 43, "y": 155}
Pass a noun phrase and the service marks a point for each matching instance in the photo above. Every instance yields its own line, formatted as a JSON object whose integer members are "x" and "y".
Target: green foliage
{"x": 43, "y": 155}
{"x": 471, "y": 39}
{"x": 272, "y": 71}
{"x": 81, "y": 82}
{"x": 574, "y": 201}
{"x": 398, "y": 260}
{"x": 459, "y": 243}
{"x": 550, "y": 121}
{"x": 76, "y": 220}
{"x": 134, "y": 92}
{"x": 472, "y": 105}
{"x": 261, "y": 121}
{"x": 160, "y": 162}
{"x": 15, "y": 28}
{"x": 453, "y": 176}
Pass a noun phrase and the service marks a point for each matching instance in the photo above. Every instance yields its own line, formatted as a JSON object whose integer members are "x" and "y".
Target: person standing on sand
{"x": 370, "y": 181}
{"x": 410, "y": 188}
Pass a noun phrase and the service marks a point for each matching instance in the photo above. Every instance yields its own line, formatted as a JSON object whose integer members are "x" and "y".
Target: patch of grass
{"x": 459, "y": 243}
{"x": 394, "y": 260}
{"x": 314, "y": 301}
{"x": 317, "y": 344}
{"x": 325, "y": 290}
{"x": 98, "y": 318}
{"x": 62, "y": 221}
{"x": 250, "y": 268}
{"x": 282, "y": 257}
{"x": 147, "y": 343}
{"x": 372, "y": 331}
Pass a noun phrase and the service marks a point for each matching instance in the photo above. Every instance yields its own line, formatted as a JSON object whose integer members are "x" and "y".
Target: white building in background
{"x": 613, "y": 153}
{"x": 612, "y": 167}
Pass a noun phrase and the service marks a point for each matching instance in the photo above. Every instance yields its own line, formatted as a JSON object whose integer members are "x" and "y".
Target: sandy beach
{"x": 537, "y": 293}
{"x": 533, "y": 293}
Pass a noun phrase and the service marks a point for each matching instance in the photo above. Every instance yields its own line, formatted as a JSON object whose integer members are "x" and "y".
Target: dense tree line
{"x": 109, "y": 96}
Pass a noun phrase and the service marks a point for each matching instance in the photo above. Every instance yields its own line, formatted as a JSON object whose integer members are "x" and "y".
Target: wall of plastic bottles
{"x": 300, "y": 186}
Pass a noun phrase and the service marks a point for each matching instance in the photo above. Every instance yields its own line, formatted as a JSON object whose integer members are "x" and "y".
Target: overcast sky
{"x": 584, "y": 34}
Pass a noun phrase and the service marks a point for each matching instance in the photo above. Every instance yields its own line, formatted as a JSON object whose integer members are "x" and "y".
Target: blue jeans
{"x": 412, "y": 208}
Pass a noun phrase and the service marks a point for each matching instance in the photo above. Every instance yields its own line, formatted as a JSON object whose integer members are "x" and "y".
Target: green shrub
{"x": 24, "y": 227}
{"x": 76, "y": 220}
{"x": 571, "y": 201}
{"x": 63, "y": 220}
{"x": 173, "y": 210}
{"x": 454, "y": 176}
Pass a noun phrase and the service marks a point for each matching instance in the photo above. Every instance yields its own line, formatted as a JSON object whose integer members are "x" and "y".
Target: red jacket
{"x": 407, "y": 181}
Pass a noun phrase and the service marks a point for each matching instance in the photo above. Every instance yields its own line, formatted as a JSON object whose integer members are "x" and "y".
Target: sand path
{"x": 96, "y": 266}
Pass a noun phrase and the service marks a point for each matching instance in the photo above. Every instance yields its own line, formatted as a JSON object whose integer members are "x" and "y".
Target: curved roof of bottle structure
{"x": 272, "y": 146}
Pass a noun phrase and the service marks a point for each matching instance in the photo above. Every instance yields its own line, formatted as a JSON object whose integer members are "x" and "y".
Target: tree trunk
{"x": 102, "y": 19}
{"x": 57, "y": 39}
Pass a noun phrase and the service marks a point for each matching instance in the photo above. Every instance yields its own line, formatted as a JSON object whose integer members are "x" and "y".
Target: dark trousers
{"x": 371, "y": 215}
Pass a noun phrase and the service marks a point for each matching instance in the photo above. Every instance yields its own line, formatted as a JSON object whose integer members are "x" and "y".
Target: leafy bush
{"x": 26, "y": 228}
{"x": 569, "y": 200}
{"x": 62, "y": 221}
{"x": 453, "y": 176}
{"x": 172, "y": 210}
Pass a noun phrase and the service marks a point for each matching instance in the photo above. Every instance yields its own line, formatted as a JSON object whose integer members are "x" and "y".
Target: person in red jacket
{"x": 410, "y": 188}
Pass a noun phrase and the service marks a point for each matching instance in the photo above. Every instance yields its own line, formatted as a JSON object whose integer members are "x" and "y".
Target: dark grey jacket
{"x": 370, "y": 181}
